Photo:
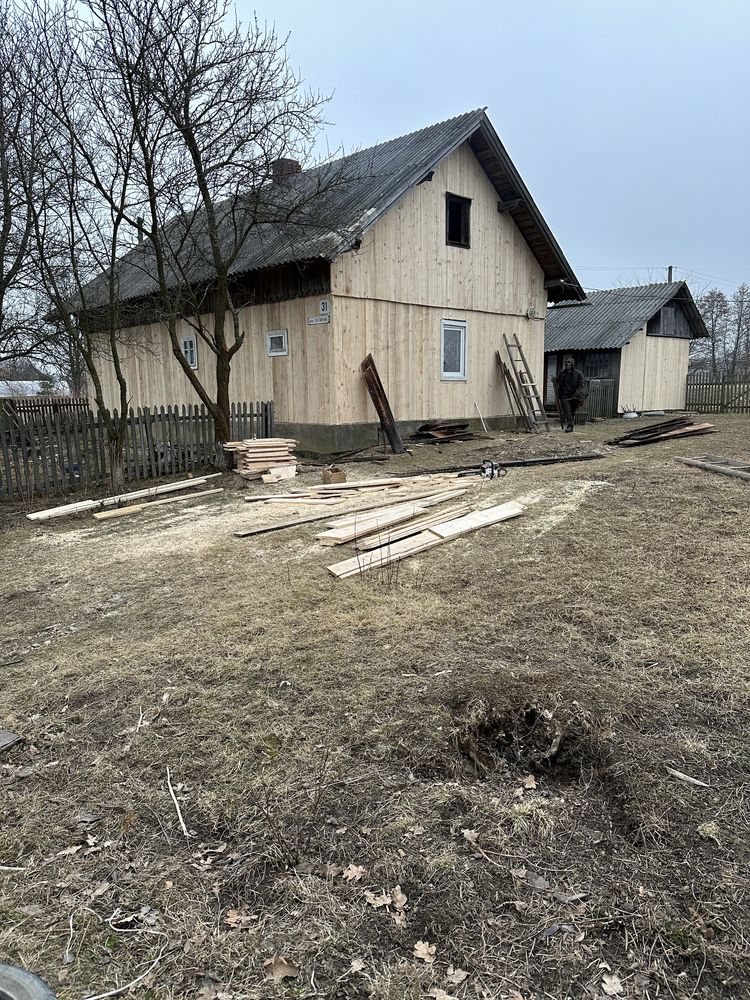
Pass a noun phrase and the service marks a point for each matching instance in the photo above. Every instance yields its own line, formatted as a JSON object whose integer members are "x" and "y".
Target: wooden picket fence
{"x": 45, "y": 452}
{"x": 717, "y": 395}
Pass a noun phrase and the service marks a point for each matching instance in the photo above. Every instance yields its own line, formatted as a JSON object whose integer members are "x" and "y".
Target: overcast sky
{"x": 629, "y": 120}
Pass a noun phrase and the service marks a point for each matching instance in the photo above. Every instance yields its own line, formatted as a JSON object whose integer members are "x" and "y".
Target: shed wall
{"x": 653, "y": 372}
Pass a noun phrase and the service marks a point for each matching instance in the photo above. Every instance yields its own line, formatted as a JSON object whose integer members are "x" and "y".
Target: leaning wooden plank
{"x": 108, "y": 515}
{"x": 390, "y": 535}
{"x": 337, "y": 536}
{"x": 723, "y": 470}
{"x": 84, "y": 505}
{"x": 381, "y": 404}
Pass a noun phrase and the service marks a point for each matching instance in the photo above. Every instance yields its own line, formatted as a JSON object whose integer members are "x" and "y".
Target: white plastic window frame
{"x": 453, "y": 324}
{"x": 284, "y": 334}
{"x": 190, "y": 350}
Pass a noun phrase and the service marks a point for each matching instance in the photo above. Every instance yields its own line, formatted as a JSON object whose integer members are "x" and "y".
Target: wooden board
{"x": 430, "y": 537}
{"x": 367, "y": 524}
{"x": 107, "y": 515}
{"x": 478, "y": 519}
{"x": 86, "y": 505}
{"x": 390, "y": 535}
{"x": 428, "y": 500}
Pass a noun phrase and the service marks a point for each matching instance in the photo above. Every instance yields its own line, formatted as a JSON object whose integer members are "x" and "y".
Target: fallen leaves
{"x": 377, "y": 901}
{"x": 353, "y": 873}
{"x": 470, "y": 835}
{"x": 240, "y": 918}
{"x": 612, "y": 985}
{"x": 456, "y": 976}
{"x": 278, "y": 967}
{"x": 440, "y": 994}
{"x": 425, "y": 951}
{"x": 357, "y": 965}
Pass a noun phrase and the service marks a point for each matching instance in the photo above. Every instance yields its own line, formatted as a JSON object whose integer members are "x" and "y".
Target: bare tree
{"x": 210, "y": 107}
{"x": 79, "y": 232}
{"x": 714, "y": 307}
{"x": 21, "y": 326}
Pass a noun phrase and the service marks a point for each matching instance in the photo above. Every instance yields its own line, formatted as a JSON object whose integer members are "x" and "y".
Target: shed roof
{"x": 608, "y": 319}
{"x": 345, "y": 197}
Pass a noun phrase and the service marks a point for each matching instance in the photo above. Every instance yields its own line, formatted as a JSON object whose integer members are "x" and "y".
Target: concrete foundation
{"x": 332, "y": 439}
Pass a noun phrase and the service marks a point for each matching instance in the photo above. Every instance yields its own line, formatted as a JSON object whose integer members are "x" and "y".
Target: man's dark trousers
{"x": 568, "y": 407}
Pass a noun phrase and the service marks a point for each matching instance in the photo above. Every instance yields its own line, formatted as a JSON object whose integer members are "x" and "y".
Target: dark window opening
{"x": 457, "y": 220}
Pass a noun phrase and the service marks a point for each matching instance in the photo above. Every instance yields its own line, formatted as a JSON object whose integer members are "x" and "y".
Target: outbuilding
{"x": 632, "y": 345}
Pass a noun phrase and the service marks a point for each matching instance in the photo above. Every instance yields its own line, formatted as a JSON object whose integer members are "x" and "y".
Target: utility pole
{"x": 669, "y": 273}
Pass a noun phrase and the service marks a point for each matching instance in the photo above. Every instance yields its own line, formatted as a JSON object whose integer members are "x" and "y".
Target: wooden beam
{"x": 107, "y": 515}
{"x": 381, "y": 404}
{"x": 85, "y": 505}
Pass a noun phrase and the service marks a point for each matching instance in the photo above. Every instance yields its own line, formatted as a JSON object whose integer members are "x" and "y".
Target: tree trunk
{"x": 116, "y": 464}
{"x": 222, "y": 426}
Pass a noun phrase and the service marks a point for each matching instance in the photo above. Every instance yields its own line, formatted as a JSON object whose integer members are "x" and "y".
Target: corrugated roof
{"x": 608, "y": 319}
{"x": 342, "y": 199}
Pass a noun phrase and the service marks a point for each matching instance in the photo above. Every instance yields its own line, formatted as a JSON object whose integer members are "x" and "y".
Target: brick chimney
{"x": 284, "y": 168}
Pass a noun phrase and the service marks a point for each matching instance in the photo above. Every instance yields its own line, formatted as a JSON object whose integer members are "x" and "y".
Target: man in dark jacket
{"x": 569, "y": 387}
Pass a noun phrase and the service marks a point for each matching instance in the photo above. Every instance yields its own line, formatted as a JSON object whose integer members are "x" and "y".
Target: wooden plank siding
{"x": 653, "y": 372}
{"x": 388, "y": 297}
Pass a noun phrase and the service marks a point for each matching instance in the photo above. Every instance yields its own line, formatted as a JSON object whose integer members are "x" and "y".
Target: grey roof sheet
{"x": 340, "y": 200}
{"x": 608, "y": 319}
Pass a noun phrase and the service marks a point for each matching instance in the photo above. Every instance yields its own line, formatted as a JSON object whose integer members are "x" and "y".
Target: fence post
{"x": 723, "y": 400}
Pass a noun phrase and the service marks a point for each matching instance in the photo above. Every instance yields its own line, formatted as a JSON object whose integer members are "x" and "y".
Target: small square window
{"x": 277, "y": 343}
{"x": 190, "y": 350}
{"x": 453, "y": 350}
{"x": 457, "y": 231}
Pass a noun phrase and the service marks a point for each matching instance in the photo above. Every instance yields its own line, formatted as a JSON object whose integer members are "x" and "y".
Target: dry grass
{"x": 311, "y": 724}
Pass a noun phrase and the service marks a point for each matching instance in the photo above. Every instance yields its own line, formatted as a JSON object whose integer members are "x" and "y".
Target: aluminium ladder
{"x": 527, "y": 392}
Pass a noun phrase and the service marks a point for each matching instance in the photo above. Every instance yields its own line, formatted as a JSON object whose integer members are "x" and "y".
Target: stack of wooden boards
{"x": 440, "y": 433}
{"x": 269, "y": 459}
{"x": 666, "y": 430}
{"x": 392, "y": 533}
{"x": 117, "y": 502}
{"x": 322, "y": 494}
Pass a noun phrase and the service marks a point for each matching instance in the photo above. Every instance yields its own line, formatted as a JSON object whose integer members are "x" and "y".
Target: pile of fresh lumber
{"x": 332, "y": 493}
{"x": 440, "y": 433}
{"x": 665, "y": 431}
{"x": 118, "y": 502}
{"x": 415, "y": 533}
{"x": 269, "y": 459}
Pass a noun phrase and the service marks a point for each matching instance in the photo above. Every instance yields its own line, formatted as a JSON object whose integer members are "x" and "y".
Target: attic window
{"x": 457, "y": 220}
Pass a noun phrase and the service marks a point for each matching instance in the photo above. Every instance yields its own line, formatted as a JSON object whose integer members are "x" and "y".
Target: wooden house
{"x": 637, "y": 339}
{"x": 437, "y": 250}
{"x": 21, "y": 378}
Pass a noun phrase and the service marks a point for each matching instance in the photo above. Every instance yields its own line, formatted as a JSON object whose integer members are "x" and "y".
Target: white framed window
{"x": 277, "y": 343}
{"x": 190, "y": 350}
{"x": 453, "y": 350}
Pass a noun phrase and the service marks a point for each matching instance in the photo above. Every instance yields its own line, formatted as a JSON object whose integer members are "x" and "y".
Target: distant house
{"x": 639, "y": 338}
{"x": 438, "y": 249}
{"x": 21, "y": 378}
